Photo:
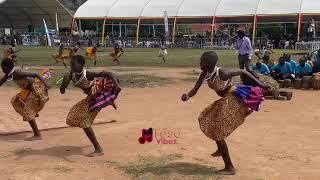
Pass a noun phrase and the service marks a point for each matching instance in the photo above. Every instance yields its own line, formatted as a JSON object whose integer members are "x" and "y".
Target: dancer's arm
{"x": 21, "y": 74}
{"x": 226, "y": 74}
{"x": 65, "y": 82}
{"x": 195, "y": 89}
{"x": 3, "y": 79}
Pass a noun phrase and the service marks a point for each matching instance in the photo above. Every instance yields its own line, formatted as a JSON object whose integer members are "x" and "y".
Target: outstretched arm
{"x": 21, "y": 74}
{"x": 195, "y": 89}
{"x": 65, "y": 82}
{"x": 3, "y": 80}
{"x": 226, "y": 74}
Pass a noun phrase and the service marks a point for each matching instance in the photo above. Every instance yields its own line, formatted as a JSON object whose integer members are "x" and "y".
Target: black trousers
{"x": 244, "y": 61}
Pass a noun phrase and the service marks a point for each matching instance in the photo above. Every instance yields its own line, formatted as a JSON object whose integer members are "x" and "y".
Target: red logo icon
{"x": 147, "y": 136}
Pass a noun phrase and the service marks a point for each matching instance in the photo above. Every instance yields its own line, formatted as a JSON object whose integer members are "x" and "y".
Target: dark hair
{"x": 6, "y": 62}
{"x": 79, "y": 59}
{"x": 241, "y": 32}
{"x": 281, "y": 59}
{"x": 303, "y": 60}
{"x": 209, "y": 58}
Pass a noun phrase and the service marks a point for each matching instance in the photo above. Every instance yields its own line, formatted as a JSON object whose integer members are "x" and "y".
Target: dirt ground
{"x": 279, "y": 142}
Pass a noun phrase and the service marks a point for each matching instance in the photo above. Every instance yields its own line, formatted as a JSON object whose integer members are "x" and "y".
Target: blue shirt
{"x": 301, "y": 71}
{"x": 293, "y": 65}
{"x": 286, "y": 69}
{"x": 244, "y": 46}
{"x": 263, "y": 70}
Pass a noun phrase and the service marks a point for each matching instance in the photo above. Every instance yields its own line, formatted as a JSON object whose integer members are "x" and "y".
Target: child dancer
{"x": 33, "y": 96}
{"x": 118, "y": 52}
{"x": 62, "y": 55}
{"x": 221, "y": 118}
{"x": 91, "y": 54}
{"x": 163, "y": 53}
{"x": 101, "y": 93}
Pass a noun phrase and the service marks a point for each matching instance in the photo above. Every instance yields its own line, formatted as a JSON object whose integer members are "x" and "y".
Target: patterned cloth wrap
{"x": 104, "y": 93}
{"x": 24, "y": 93}
{"x": 251, "y": 97}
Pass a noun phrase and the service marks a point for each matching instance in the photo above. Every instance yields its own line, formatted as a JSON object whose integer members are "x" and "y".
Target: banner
{"x": 166, "y": 27}
{"x": 57, "y": 25}
{"x": 47, "y": 32}
{"x": 74, "y": 28}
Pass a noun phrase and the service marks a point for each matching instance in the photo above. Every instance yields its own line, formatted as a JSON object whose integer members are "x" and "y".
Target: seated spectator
{"x": 261, "y": 68}
{"x": 293, "y": 63}
{"x": 282, "y": 70}
{"x": 303, "y": 69}
{"x": 316, "y": 55}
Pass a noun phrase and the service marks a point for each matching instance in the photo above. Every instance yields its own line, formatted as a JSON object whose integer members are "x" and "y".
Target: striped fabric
{"x": 104, "y": 94}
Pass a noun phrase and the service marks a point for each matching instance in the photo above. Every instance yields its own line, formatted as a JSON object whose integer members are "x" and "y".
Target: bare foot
{"x": 216, "y": 154}
{"x": 33, "y": 138}
{"x": 229, "y": 171}
{"x": 114, "y": 105}
{"x": 96, "y": 153}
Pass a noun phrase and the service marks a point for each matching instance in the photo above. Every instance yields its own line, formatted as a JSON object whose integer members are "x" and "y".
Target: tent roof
{"x": 18, "y": 14}
{"x": 193, "y": 8}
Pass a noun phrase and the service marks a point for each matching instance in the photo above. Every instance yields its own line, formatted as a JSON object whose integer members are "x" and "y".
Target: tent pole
{"x": 80, "y": 28}
{"x": 72, "y": 26}
{"x": 103, "y": 30}
{"x": 174, "y": 31}
{"x": 213, "y": 26}
{"x": 255, "y": 19}
{"x": 299, "y": 26}
{"x": 137, "y": 33}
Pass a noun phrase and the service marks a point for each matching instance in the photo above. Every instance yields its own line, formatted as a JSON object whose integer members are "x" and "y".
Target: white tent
{"x": 18, "y": 14}
{"x": 95, "y": 9}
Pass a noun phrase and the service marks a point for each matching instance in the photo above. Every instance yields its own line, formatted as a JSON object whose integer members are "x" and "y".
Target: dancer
{"x": 33, "y": 96}
{"x": 11, "y": 53}
{"x": 221, "y": 118}
{"x": 118, "y": 52}
{"x": 101, "y": 93}
{"x": 62, "y": 55}
{"x": 91, "y": 54}
{"x": 163, "y": 53}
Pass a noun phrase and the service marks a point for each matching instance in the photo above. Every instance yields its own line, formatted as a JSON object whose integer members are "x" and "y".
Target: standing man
{"x": 243, "y": 45}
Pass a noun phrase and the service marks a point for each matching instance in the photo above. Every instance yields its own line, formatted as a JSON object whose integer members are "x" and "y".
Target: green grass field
{"x": 133, "y": 63}
{"x": 41, "y": 56}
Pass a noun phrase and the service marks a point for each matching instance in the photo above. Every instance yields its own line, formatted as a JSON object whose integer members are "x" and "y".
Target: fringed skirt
{"x": 29, "y": 104}
{"x": 80, "y": 115}
{"x": 225, "y": 115}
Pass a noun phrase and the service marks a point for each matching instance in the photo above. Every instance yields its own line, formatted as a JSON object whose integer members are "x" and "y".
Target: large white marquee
{"x": 95, "y": 9}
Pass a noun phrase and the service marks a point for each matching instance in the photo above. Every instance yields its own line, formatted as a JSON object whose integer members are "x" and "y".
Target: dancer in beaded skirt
{"x": 102, "y": 89}
{"x": 221, "y": 118}
{"x": 32, "y": 97}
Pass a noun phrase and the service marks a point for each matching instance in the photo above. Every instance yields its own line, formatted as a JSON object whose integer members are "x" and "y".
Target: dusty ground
{"x": 277, "y": 143}
{"x": 280, "y": 142}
